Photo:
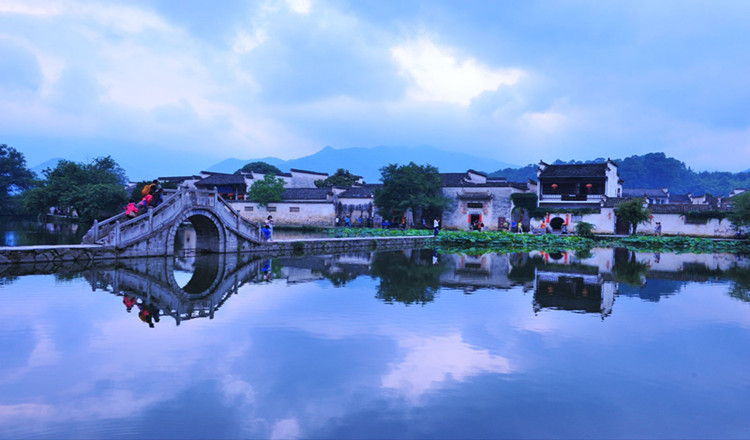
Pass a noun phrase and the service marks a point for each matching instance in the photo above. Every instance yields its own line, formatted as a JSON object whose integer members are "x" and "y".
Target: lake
{"x": 401, "y": 344}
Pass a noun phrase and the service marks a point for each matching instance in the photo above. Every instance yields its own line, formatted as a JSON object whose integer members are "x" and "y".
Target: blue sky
{"x": 186, "y": 84}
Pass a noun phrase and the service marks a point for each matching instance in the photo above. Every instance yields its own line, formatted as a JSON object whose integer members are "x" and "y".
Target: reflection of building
{"x": 472, "y": 272}
{"x": 577, "y": 292}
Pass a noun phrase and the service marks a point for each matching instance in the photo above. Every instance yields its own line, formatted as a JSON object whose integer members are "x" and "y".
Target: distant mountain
{"x": 367, "y": 162}
{"x": 654, "y": 170}
{"x": 52, "y": 163}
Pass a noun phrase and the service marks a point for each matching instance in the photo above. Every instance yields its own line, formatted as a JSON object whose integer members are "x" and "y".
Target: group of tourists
{"x": 152, "y": 195}
{"x": 147, "y": 312}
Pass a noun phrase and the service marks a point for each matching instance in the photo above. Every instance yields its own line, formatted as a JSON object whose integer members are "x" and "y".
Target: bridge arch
{"x": 210, "y": 234}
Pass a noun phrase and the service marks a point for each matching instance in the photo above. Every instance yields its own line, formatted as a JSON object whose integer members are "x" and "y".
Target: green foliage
{"x": 341, "y": 177}
{"x": 94, "y": 190}
{"x": 704, "y": 216}
{"x": 375, "y": 232}
{"x": 412, "y": 186}
{"x": 409, "y": 278}
{"x": 584, "y": 229}
{"x": 478, "y": 242}
{"x": 259, "y": 167}
{"x": 268, "y": 190}
{"x": 740, "y": 212}
{"x": 14, "y": 177}
{"x": 505, "y": 242}
{"x": 524, "y": 200}
{"x": 630, "y": 271}
{"x": 633, "y": 213}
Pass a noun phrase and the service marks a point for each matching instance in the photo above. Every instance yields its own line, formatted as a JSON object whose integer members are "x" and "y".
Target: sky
{"x": 186, "y": 84}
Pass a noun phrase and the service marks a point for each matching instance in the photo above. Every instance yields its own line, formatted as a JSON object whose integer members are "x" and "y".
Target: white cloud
{"x": 300, "y": 6}
{"x": 431, "y": 361}
{"x": 438, "y": 76}
{"x": 26, "y": 7}
{"x": 545, "y": 122}
{"x": 286, "y": 429}
{"x": 245, "y": 42}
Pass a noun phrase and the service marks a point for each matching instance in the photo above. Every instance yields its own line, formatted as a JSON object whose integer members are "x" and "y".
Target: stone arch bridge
{"x": 218, "y": 227}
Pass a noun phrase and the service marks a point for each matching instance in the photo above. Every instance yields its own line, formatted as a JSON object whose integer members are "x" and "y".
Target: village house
{"x": 592, "y": 193}
{"x": 479, "y": 199}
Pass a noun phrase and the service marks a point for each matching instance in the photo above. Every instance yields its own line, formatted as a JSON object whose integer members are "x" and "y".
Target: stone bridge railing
{"x": 120, "y": 231}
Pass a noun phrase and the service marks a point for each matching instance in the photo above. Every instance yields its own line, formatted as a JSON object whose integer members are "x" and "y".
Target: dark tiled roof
{"x": 177, "y": 178}
{"x": 295, "y": 170}
{"x": 677, "y": 208}
{"x": 306, "y": 194}
{"x": 453, "y": 179}
{"x": 477, "y": 172}
{"x": 358, "y": 192}
{"x": 577, "y": 170}
{"x": 640, "y": 192}
{"x": 474, "y": 196}
{"x": 221, "y": 179}
{"x": 679, "y": 199}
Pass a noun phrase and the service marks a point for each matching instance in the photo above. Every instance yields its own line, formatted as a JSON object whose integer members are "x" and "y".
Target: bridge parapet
{"x": 122, "y": 232}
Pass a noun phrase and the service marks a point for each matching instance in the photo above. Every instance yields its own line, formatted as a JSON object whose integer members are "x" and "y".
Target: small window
{"x": 248, "y": 208}
{"x": 294, "y": 209}
{"x": 271, "y": 209}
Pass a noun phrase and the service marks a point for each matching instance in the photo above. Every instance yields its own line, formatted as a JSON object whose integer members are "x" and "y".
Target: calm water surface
{"x": 406, "y": 344}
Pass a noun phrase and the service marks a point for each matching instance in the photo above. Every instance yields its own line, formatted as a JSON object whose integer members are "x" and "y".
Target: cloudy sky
{"x": 189, "y": 83}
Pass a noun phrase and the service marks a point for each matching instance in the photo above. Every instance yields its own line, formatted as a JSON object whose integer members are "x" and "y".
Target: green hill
{"x": 654, "y": 170}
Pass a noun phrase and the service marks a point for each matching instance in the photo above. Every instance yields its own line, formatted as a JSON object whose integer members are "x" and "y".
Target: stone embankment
{"x": 90, "y": 253}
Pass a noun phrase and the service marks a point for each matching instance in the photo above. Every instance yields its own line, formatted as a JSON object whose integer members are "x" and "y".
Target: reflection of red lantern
{"x": 554, "y": 186}
{"x": 588, "y": 185}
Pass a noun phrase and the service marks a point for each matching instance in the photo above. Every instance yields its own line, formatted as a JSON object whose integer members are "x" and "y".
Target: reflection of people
{"x": 435, "y": 257}
{"x": 129, "y": 302}
{"x": 266, "y": 269}
{"x": 146, "y": 313}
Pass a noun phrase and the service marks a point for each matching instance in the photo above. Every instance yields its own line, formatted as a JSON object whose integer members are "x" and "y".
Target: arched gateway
{"x": 219, "y": 229}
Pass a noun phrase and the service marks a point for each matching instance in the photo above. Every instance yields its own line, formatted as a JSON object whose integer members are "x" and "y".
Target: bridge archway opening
{"x": 197, "y": 273}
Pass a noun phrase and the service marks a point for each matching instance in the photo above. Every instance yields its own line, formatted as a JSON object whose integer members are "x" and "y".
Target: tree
{"x": 412, "y": 186}
{"x": 259, "y": 167}
{"x": 739, "y": 215}
{"x": 93, "y": 190}
{"x": 633, "y": 213}
{"x": 341, "y": 177}
{"x": 268, "y": 190}
{"x": 14, "y": 177}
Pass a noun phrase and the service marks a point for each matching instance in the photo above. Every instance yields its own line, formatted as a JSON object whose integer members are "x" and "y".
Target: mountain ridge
{"x": 366, "y": 162}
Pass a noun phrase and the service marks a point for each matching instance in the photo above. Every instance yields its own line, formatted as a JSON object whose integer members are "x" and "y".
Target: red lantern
{"x": 588, "y": 185}
{"x": 554, "y": 186}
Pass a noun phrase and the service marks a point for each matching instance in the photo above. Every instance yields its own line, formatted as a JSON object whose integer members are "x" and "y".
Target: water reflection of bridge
{"x": 151, "y": 281}
{"x": 585, "y": 283}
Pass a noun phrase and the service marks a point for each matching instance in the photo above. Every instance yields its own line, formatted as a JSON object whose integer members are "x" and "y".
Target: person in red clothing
{"x": 129, "y": 302}
{"x": 131, "y": 210}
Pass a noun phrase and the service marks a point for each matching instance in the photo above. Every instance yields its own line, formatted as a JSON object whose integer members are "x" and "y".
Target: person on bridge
{"x": 131, "y": 210}
{"x": 156, "y": 191}
{"x": 269, "y": 227}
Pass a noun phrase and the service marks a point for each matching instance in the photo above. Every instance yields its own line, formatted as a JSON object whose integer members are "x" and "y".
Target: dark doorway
{"x": 474, "y": 220}
{"x": 622, "y": 227}
{"x": 556, "y": 223}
